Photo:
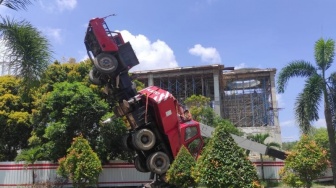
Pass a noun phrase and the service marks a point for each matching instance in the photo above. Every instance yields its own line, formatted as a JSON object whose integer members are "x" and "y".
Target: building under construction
{"x": 246, "y": 97}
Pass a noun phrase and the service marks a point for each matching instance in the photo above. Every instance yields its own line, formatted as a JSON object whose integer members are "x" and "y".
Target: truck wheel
{"x": 127, "y": 142}
{"x": 144, "y": 139}
{"x": 106, "y": 63}
{"x": 94, "y": 78}
{"x": 158, "y": 162}
{"x": 140, "y": 164}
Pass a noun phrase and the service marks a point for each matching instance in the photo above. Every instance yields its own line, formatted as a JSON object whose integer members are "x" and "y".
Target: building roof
{"x": 181, "y": 69}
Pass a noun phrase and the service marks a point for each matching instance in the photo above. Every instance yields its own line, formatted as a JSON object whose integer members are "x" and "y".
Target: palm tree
{"x": 15, "y": 4}
{"x": 30, "y": 156}
{"x": 28, "y": 50}
{"x": 316, "y": 88}
{"x": 260, "y": 138}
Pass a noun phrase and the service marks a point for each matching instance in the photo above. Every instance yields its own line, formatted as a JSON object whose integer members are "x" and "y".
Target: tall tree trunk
{"x": 331, "y": 135}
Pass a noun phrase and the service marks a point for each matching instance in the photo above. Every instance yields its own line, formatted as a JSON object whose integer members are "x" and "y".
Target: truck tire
{"x": 94, "y": 78}
{"x": 106, "y": 63}
{"x": 127, "y": 143}
{"x": 158, "y": 162}
{"x": 140, "y": 164}
{"x": 143, "y": 139}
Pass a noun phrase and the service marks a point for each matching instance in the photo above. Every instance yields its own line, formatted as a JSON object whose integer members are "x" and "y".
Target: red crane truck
{"x": 158, "y": 128}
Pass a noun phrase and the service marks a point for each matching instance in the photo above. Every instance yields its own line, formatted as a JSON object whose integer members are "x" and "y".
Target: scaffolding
{"x": 242, "y": 96}
{"x": 185, "y": 86}
{"x": 183, "y": 82}
{"x": 247, "y": 97}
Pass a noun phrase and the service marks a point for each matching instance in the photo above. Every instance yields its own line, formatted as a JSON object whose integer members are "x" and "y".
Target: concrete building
{"x": 246, "y": 97}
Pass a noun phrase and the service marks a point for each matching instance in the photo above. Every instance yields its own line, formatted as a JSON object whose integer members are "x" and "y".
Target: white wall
{"x": 117, "y": 173}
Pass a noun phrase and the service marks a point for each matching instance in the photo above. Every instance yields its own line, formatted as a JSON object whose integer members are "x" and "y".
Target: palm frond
{"x": 332, "y": 80}
{"x": 313, "y": 94}
{"x": 259, "y": 137}
{"x": 300, "y": 114}
{"x": 273, "y": 144}
{"x": 294, "y": 69}
{"x": 29, "y": 51}
{"x": 324, "y": 53}
{"x": 307, "y": 104}
{"x": 16, "y": 4}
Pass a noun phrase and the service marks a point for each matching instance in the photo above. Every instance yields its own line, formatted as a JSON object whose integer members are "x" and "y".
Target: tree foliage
{"x": 69, "y": 110}
{"x": 81, "y": 164}
{"x": 300, "y": 170}
{"x": 70, "y": 72}
{"x": 202, "y": 112}
{"x": 30, "y": 156}
{"x": 288, "y": 146}
{"x": 320, "y": 136}
{"x": 224, "y": 164}
{"x": 66, "y": 105}
{"x": 196, "y": 105}
{"x": 15, "y": 4}
{"x": 109, "y": 139}
{"x": 179, "y": 172}
{"x": 15, "y": 114}
{"x": 139, "y": 85}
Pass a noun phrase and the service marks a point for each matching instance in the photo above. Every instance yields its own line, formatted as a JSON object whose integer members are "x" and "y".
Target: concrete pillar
{"x": 150, "y": 79}
{"x": 217, "y": 98}
{"x": 275, "y": 106}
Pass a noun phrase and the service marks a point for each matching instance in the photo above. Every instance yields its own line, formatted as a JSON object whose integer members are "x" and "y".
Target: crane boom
{"x": 245, "y": 143}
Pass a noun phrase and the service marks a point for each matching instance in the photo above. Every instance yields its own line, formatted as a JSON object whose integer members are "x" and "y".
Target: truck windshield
{"x": 190, "y": 132}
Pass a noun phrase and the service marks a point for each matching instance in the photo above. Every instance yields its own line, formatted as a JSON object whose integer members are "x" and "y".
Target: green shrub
{"x": 224, "y": 164}
{"x": 179, "y": 173}
{"x": 81, "y": 165}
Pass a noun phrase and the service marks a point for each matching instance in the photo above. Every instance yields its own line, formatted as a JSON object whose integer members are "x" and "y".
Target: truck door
{"x": 191, "y": 137}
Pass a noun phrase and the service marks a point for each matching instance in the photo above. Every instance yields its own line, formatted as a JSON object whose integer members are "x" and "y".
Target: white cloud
{"x": 66, "y": 4}
{"x": 54, "y": 34}
{"x": 240, "y": 66}
{"x": 58, "y": 5}
{"x": 209, "y": 55}
{"x": 152, "y": 55}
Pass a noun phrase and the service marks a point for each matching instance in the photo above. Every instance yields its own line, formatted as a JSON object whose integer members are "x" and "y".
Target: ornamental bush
{"x": 81, "y": 165}
{"x": 224, "y": 164}
{"x": 179, "y": 173}
{"x": 304, "y": 164}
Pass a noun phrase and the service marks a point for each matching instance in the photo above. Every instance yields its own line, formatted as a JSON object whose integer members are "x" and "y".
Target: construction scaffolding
{"x": 184, "y": 86}
{"x": 247, "y": 97}
{"x": 183, "y": 82}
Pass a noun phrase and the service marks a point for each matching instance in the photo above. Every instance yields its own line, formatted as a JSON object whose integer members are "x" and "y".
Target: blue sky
{"x": 164, "y": 34}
